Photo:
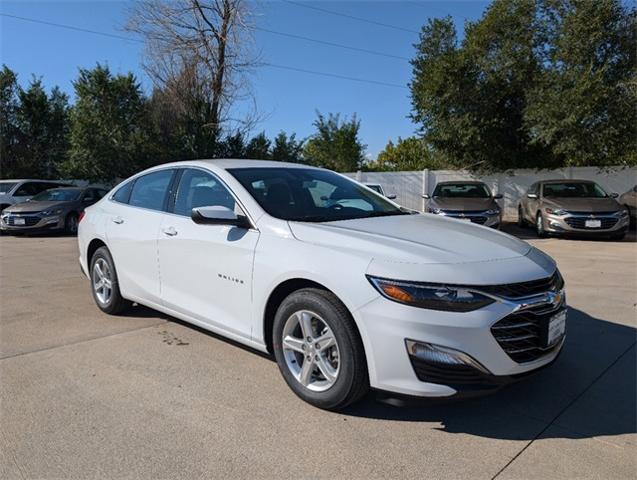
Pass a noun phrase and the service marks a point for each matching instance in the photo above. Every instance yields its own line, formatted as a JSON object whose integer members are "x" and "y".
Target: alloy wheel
{"x": 310, "y": 350}
{"x": 102, "y": 281}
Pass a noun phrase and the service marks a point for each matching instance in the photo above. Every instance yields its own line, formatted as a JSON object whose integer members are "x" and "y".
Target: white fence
{"x": 409, "y": 186}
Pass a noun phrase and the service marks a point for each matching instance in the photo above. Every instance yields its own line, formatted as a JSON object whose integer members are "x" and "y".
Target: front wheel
{"x": 104, "y": 284}
{"x": 70, "y": 223}
{"x": 318, "y": 349}
{"x": 521, "y": 221}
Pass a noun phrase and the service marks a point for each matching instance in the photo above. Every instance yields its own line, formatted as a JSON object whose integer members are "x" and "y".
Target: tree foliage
{"x": 407, "y": 154}
{"x": 109, "y": 134}
{"x": 534, "y": 83}
{"x": 335, "y": 144}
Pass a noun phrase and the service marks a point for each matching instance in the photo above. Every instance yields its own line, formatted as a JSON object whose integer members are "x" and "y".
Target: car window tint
{"x": 201, "y": 189}
{"x": 149, "y": 191}
{"x": 100, "y": 193}
{"x": 89, "y": 195}
{"x": 27, "y": 189}
{"x": 123, "y": 193}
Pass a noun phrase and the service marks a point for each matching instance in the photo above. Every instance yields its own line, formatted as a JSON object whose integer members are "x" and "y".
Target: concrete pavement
{"x": 85, "y": 395}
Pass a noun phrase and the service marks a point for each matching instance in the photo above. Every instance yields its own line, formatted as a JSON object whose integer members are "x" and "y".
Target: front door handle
{"x": 170, "y": 231}
{"x": 118, "y": 220}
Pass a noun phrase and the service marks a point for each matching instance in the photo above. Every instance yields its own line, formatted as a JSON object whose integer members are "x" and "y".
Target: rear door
{"x": 206, "y": 270}
{"x": 134, "y": 216}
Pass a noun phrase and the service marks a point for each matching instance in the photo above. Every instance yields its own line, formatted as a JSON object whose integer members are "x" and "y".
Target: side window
{"x": 149, "y": 191}
{"x": 201, "y": 189}
{"x": 27, "y": 189}
{"x": 533, "y": 188}
{"x": 123, "y": 193}
{"x": 89, "y": 195}
{"x": 100, "y": 194}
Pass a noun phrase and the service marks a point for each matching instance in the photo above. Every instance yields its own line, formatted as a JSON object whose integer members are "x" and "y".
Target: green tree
{"x": 584, "y": 107}
{"x": 335, "y": 144}
{"x": 8, "y": 123}
{"x": 109, "y": 135}
{"x": 287, "y": 148}
{"x": 258, "y": 148}
{"x": 407, "y": 154}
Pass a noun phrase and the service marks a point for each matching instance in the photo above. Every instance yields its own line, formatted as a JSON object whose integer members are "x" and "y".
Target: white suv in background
{"x": 347, "y": 296}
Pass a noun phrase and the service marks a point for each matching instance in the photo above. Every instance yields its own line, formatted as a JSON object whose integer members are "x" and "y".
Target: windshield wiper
{"x": 386, "y": 214}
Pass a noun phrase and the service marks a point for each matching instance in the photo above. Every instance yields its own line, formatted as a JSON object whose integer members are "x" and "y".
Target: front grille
{"x": 580, "y": 223}
{"x": 523, "y": 335}
{"x": 526, "y": 289}
{"x": 29, "y": 220}
{"x": 573, "y": 212}
{"x": 469, "y": 216}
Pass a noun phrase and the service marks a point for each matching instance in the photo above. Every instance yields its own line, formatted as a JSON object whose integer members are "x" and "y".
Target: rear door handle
{"x": 118, "y": 220}
{"x": 170, "y": 231}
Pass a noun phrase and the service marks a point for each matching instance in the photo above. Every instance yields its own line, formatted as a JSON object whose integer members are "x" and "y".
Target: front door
{"x": 206, "y": 270}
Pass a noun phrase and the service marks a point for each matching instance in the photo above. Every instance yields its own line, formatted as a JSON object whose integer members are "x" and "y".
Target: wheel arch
{"x": 280, "y": 293}
{"x": 92, "y": 248}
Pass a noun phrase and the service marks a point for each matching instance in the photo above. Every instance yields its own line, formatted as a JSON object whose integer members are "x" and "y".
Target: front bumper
{"x": 586, "y": 224}
{"x": 11, "y": 223}
{"x": 389, "y": 325}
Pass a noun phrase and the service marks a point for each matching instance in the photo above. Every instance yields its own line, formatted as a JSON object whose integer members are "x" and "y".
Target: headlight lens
{"x": 435, "y": 210}
{"x": 622, "y": 213}
{"x": 46, "y": 213}
{"x": 493, "y": 211}
{"x": 431, "y": 296}
{"x": 555, "y": 211}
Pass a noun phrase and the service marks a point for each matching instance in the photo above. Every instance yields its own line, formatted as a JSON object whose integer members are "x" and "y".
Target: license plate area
{"x": 593, "y": 223}
{"x": 19, "y": 221}
{"x": 556, "y": 328}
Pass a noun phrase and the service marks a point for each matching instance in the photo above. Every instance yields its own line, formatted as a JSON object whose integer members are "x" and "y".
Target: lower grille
{"x": 580, "y": 223}
{"x": 474, "y": 219}
{"x": 29, "y": 221}
{"x": 523, "y": 335}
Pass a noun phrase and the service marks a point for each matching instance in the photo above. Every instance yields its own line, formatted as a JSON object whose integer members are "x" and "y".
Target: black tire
{"x": 115, "y": 304}
{"x": 539, "y": 225}
{"x": 352, "y": 381}
{"x": 70, "y": 223}
{"x": 521, "y": 221}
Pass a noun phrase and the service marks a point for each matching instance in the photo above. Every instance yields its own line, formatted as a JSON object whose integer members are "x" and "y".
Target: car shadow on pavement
{"x": 589, "y": 391}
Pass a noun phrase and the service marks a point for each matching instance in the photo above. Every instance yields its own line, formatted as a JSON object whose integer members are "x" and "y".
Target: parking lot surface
{"x": 86, "y": 395}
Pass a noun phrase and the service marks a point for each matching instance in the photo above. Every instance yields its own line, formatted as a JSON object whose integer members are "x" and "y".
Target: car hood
{"x": 422, "y": 239}
{"x": 464, "y": 204}
{"x": 26, "y": 207}
{"x": 583, "y": 204}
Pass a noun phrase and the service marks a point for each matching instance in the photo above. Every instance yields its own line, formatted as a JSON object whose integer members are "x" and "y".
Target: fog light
{"x": 441, "y": 355}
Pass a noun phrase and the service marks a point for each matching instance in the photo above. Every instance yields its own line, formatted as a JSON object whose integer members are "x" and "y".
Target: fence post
{"x": 425, "y": 188}
{"x": 358, "y": 175}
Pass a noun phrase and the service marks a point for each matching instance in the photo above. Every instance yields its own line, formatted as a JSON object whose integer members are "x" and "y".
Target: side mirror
{"x": 426, "y": 195}
{"x": 614, "y": 195}
{"x": 391, "y": 196}
{"x": 531, "y": 195}
{"x": 218, "y": 215}
{"x": 498, "y": 196}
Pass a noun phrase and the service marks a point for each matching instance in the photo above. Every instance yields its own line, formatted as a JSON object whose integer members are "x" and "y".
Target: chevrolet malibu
{"x": 347, "y": 290}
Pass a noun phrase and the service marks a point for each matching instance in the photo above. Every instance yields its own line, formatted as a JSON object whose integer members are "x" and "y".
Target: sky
{"x": 286, "y": 100}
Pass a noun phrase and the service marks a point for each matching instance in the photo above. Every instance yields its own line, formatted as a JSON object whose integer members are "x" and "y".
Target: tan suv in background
{"x": 561, "y": 207}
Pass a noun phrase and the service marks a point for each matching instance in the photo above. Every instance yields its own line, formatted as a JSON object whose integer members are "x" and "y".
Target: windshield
{"x": 57, "y": 195}
{"x": 6, "y": 186}
{"x": 376, "y": 188}
{"x": 311, "y": 195}
{"x": 462, "y": 190}
{"x": 573, "y": 190}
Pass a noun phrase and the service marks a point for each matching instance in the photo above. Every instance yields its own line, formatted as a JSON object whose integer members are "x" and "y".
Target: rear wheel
{"x": 318, "y": 350}
{"x": 521, "y": 221}
{"x": 104, "y": 284}
{"x": 539, "y": 225}
{"x": 70, "y": 223}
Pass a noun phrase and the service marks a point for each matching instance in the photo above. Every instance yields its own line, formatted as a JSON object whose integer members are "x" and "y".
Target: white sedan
{"x": 347, "y": 289}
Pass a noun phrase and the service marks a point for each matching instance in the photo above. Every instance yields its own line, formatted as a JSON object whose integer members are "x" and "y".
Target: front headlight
{"x": 431, "y": 296}
{"x": 493, "y": 211}
{"x": 622, "y": 213}
{"x": 555, "y": 211}
{"x": 46, "y": 213}
{"x": 435, "y": 210}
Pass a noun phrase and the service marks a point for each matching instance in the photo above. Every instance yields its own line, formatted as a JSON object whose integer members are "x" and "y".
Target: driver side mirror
{"x": 614, "y": 195}
{"x": 218, "y": 215}
{"x": 498, "y": 196}
{"x": 391, "y": 196}
{"x": 531, "y": 195}
{"x": 426, "y": 195}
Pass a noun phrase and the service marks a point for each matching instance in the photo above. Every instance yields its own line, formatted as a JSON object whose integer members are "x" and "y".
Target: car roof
{"x": 564, "y": 180}
{"x": 456, "y": 182}
{"x": 229, "y": 163}
{"x": 17, "y": 180}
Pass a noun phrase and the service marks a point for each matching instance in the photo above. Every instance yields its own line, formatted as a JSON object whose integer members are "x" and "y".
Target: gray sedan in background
{"x": 466, "y": 200}
{"x": 572, "y": 207}
{"x": 56, "y": 209}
